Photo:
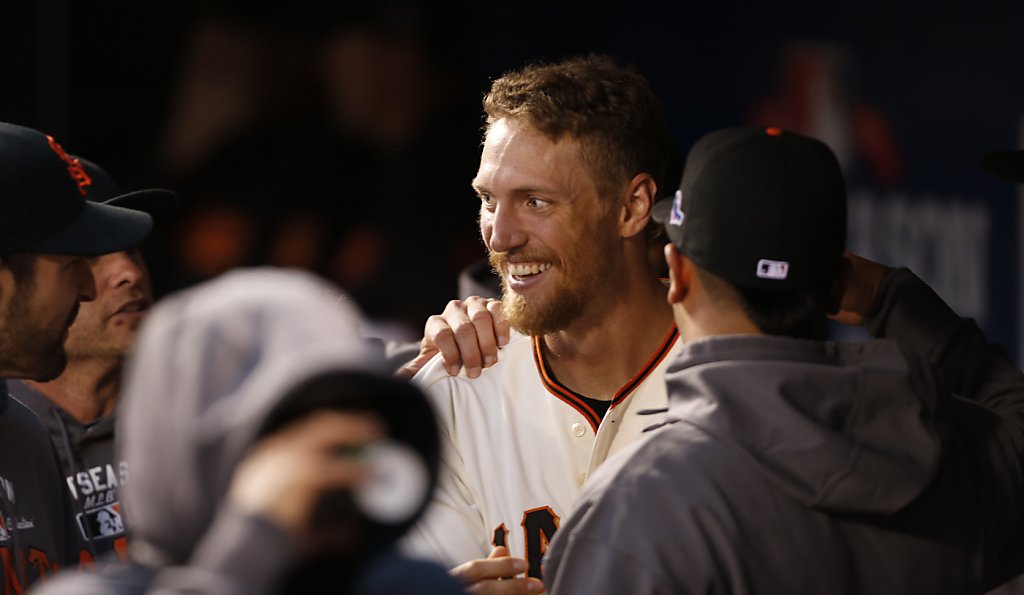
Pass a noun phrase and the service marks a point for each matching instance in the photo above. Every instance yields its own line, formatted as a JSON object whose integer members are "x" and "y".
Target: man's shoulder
{"x": 514, "y": 358}
{"x": 18, "y": 422}
{"x": 28, "y": 396}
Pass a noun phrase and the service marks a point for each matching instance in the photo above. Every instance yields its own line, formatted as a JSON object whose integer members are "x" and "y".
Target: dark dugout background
{"x": 250, "y": 114}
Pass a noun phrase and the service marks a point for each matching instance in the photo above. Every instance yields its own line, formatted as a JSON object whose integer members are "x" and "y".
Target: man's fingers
{"x": 283, "y": 475}
{"x": 439, "y": 334}
{"x": 327, "y": 429}
{"x": 501, "y": 327}
{"x": 466, "y": 337}
{"x": 490, "y": 569}
{"x": 862, "y": 279}
{"x": 410, "y": 368}
{"x": 484, "y": 324}
{"x": 513, "y": 586}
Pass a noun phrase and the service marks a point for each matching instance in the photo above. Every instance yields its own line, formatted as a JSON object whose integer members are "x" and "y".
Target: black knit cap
{"x": 762, "y": 208}
{"x": 45, "y": 206}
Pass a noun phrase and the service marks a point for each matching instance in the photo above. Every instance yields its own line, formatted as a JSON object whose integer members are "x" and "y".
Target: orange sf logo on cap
{"x": 75, "y": 168}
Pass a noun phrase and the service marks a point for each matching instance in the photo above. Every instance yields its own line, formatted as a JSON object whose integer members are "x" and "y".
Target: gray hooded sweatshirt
{"x": 212, "y": 367}
{"x": 792, "y": 466}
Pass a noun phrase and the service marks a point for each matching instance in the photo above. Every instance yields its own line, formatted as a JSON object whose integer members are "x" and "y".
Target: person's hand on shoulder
{"x": 467, "y": 334}
{"x": 857, "y": 292}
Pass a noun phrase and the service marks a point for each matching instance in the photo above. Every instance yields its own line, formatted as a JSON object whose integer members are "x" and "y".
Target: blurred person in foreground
{"x": 270, "y": 451}
{"x": 78, "y": 406}
{"x": 791, "y": 464}
{"x": 47, "y": 229}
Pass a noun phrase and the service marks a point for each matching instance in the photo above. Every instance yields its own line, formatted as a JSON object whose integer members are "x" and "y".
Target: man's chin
{"x": 48, "y": 367}
{"x": 536, "y": 319}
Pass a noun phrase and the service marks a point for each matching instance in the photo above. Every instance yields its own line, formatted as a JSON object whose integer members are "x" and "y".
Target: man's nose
{"x": 502, "y": 229}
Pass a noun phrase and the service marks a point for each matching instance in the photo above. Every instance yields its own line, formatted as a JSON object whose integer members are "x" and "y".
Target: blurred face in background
{"x": 106, "y": 326}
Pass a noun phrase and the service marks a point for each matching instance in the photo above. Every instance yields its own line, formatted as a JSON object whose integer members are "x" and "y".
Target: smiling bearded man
{"x": 572, "y": 156}
{"x": 551, "y": 273}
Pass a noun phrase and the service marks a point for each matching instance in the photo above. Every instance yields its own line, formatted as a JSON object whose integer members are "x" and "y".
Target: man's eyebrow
{"x": 518, "y": 190}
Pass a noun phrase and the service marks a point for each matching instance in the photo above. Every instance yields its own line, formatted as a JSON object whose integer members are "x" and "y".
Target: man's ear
{"x": 636, "y": 211}
{"x": 680, "y": 272}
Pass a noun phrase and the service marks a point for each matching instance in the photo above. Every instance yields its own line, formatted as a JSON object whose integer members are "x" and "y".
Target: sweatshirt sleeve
{"x": 911, "y": 313}
{"x": 587, "y": 565}
{"x": 241, "y": 554}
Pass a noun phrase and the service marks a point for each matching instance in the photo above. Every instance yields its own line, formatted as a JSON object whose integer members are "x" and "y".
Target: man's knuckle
{"x": 465, "y": 328}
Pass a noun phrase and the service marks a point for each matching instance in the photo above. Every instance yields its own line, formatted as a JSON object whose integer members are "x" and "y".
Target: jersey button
{"x": 581, "y": 478}
{"x": 578, "y": 430}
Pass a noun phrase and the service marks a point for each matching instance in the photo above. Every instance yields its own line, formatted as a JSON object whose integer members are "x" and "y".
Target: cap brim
{"x": 662, "y": 210}
{"x": 99, "y": 229}
{"x": 161, "y": 204}
{"x": 1006, "y": 164}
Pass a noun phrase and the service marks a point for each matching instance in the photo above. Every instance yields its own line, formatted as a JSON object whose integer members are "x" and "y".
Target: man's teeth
{"x": 526, "y": 269}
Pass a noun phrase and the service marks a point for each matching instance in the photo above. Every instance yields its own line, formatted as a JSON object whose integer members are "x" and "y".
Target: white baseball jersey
{"x": 517, "y": 447}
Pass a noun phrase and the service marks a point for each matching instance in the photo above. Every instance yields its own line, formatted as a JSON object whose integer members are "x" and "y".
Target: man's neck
{"x": 87, "y": 390}
{"x": 598, "y": 354}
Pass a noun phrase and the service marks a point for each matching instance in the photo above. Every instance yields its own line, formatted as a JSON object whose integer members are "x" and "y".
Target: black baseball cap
{"x": 763, "y": 208}
{"x": 45, "y": 206}
{"x": 1006, "y": 164}
{"x": 159, "y": 203}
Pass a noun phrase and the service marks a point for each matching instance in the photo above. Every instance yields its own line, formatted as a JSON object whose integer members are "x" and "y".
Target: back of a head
{"x": 214, "y": 367}
{"x": 762, "y": 213}
{"x": 610, "y": 108}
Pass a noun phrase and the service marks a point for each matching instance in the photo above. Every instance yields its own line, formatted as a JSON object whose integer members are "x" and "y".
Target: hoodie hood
{"x": 212, "y": 368}
{"x": 840, "y": 427}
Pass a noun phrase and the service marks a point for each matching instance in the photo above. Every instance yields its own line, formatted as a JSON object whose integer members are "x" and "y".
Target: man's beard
{"x": 37, "y": 354}
{"x": 560, "y": 305}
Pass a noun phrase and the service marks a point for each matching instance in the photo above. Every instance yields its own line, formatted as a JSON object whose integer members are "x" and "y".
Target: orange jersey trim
{"x": 575, "y": 400}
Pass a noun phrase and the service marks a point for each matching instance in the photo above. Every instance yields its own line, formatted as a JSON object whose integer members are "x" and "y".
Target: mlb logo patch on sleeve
{"x": 677, "y": 215}
{"x": 772, "y": 269}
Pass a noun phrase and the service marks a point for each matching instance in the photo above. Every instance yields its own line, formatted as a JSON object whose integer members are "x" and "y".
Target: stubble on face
{"x": 94, "y": 334}
{"x": 98, "y": 332}
{"x": 37, "y": 353}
